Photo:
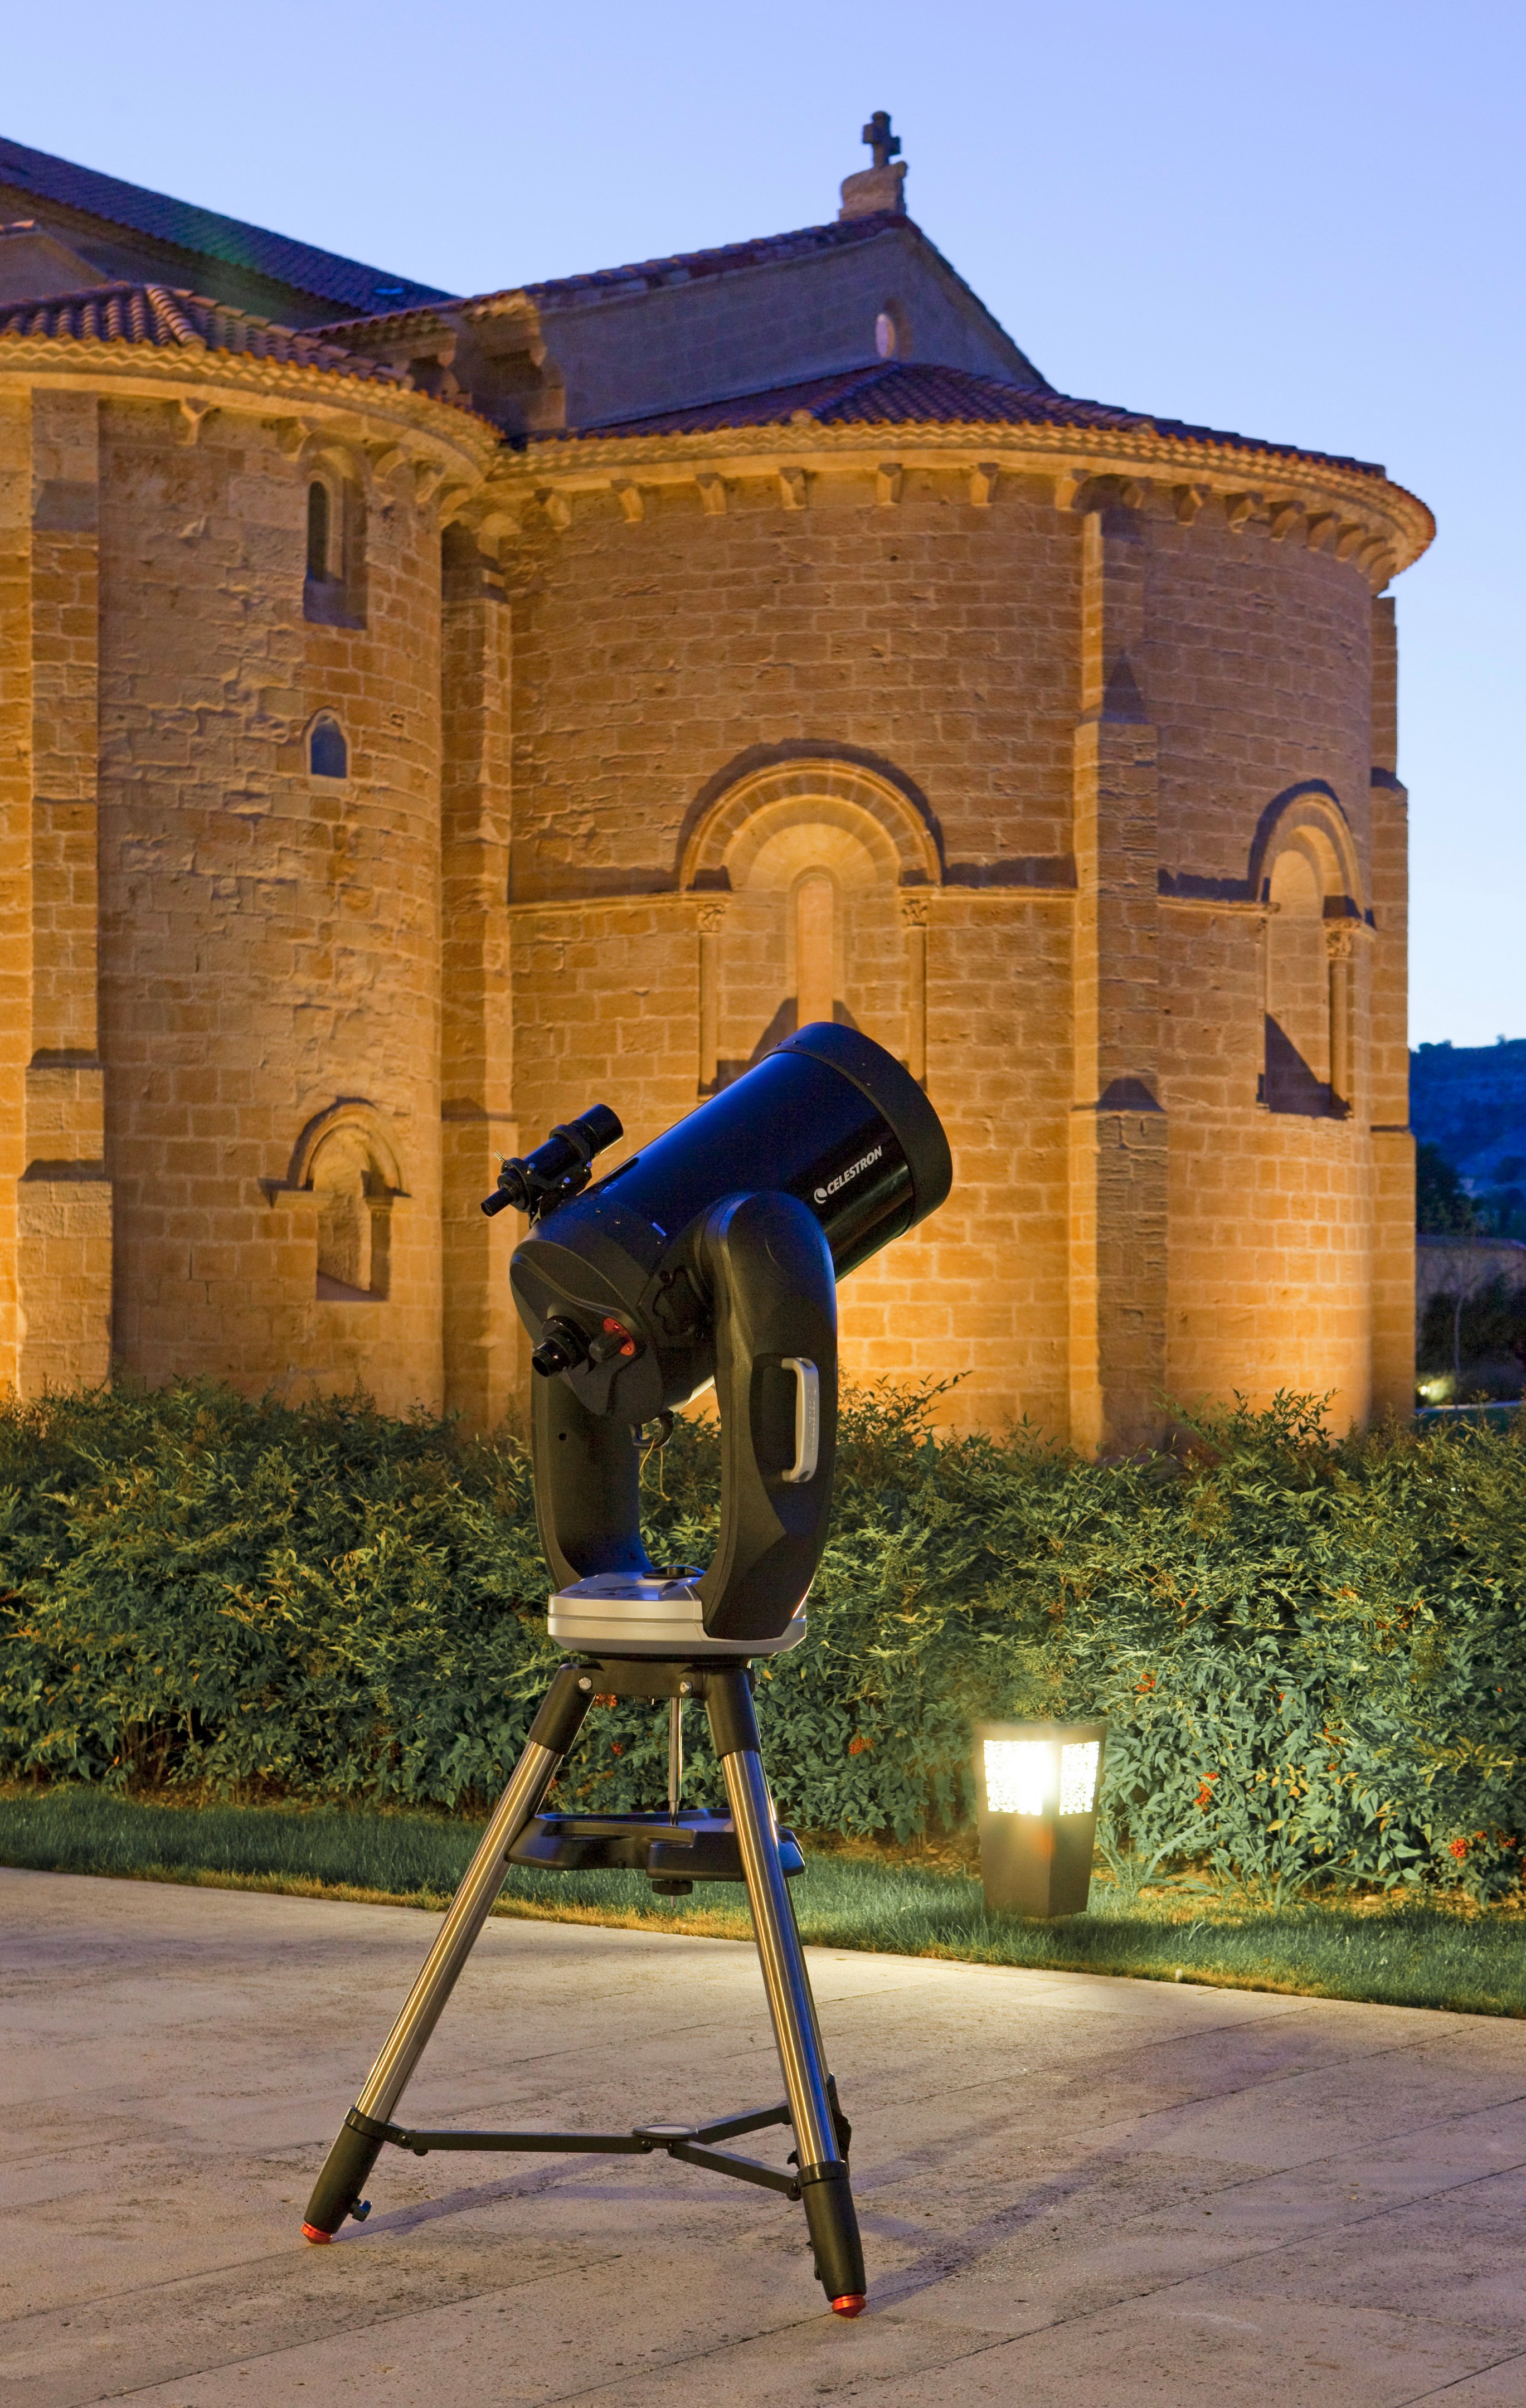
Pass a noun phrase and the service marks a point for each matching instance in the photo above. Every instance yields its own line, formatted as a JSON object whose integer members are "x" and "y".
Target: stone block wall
{"x": 1110, "y": 717}
{"x": 270, "y": 939}
{"x": 55, "y": 1272}
{"x": 1005, "y": 765}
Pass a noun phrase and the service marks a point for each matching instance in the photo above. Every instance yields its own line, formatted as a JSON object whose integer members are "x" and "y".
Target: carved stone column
{"x": 1340, "y": 953}
{"x": 915, "y": 911}
{"x": 712, "y": 919}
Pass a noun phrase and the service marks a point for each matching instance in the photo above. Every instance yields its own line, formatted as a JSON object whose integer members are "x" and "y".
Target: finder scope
{"x": 558, "y": 1169}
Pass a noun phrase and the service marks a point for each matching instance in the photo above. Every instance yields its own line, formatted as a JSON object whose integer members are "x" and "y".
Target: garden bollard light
{"x": 1036, "y": 1787}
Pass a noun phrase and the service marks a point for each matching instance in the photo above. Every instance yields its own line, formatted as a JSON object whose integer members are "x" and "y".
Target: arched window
{"x": 886, "y": 343}
{"x": 353, "y": 1219}
{"x": 328, "y": 755}
{"x": 333, "y": 588}
{"x": 1298, "y": 1059}
{"x": 799, "y": 868}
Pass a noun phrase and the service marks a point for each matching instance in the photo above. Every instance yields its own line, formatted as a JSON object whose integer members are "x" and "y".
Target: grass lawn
{"x": 850, "y": 1895}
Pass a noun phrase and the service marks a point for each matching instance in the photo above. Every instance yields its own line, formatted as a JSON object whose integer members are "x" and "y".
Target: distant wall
{"x": 1444, "y": 1265}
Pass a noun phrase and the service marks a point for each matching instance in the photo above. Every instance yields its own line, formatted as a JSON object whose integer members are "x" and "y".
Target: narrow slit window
{"x": 317, "y": 530}
{"x": 334, "y": 584}
{"x": 328, "y": 755}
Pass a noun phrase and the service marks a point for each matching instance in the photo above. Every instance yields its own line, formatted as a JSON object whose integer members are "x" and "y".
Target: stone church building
{"x": 421, "y": 717}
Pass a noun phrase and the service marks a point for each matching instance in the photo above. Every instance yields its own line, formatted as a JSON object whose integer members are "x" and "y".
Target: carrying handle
{"x": 807, "y": 1418}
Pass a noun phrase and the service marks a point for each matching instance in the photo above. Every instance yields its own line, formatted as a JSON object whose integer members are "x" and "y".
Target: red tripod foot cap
{"x": 316, "y": 2232}
{"x": 852, "y": 2303}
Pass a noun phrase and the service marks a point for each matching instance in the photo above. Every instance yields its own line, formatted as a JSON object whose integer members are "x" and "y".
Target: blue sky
{"x": 1302, "y": 224}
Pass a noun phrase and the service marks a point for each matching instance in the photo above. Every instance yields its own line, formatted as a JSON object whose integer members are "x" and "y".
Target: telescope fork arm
{"x": 356, "y": 2149}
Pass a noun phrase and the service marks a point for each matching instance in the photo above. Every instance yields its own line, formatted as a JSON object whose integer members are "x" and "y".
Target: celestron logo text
{"x": 844, "y": 1176}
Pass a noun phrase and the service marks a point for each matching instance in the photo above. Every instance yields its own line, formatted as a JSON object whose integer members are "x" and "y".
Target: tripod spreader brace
{"x": 691, "y": 2143}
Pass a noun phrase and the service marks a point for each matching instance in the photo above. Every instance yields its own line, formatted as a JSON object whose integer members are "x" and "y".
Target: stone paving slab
{"x": 1074, "y": 2190}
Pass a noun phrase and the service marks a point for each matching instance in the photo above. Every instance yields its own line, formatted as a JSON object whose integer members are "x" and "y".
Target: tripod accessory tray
{"x": 688, "y": 1847}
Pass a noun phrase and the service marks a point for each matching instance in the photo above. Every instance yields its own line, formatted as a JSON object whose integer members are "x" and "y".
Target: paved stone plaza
{"x": 1074, "y": 2190}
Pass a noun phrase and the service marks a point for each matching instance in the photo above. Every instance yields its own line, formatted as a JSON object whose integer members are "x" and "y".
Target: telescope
{"x": 711, "y": 1255}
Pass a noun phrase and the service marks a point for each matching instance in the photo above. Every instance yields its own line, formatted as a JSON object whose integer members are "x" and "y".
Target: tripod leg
{"x": 359, "y": 2144}
{"x": 823, "y": 2174}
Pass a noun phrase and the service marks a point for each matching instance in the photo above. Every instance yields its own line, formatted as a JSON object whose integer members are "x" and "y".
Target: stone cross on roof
{"x": 877, "y": 188}
{"x": 885, "y": 145}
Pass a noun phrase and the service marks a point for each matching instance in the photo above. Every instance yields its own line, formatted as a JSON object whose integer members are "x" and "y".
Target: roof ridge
{"x": 863, "y": 377}
{"x": 831, "y": 236}
{"x": 838, "y": 385}
{"x": 715, "y": 258}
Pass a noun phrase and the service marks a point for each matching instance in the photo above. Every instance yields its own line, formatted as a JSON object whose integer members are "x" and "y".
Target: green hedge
{"x": 1310, "y": 1653}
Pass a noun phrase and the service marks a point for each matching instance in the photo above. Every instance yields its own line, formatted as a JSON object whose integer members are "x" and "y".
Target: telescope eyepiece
{"x": 538, "y": 1182}
{"x": 562, "y": 1347}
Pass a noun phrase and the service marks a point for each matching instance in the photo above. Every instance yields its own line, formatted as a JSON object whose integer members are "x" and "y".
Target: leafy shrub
{"x": 1311, "y": 1653}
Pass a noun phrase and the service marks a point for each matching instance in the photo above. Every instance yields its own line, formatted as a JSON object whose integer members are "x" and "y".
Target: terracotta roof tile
{"x": 902, "y": 394}
{"x": 153, "y": 314}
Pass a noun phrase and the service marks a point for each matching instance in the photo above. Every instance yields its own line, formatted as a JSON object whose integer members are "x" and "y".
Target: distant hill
{"x": 1469, "y": 1101}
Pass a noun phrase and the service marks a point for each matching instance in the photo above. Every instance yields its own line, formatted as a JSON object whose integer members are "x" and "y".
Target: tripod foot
{"x": 336, "y": 2192}
{"x": 834, "y": 2237}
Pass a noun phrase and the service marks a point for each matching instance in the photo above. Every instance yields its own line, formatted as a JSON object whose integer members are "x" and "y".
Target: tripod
{"x": 748, "y": 1847}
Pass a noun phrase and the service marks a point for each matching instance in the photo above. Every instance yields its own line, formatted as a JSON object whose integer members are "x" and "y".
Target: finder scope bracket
{"x": 558, "y": 1171}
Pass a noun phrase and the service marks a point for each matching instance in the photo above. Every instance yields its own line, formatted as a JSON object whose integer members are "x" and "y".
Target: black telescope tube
{"x": 615, "y": 1284}
{"x": 831, "y": 1118}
